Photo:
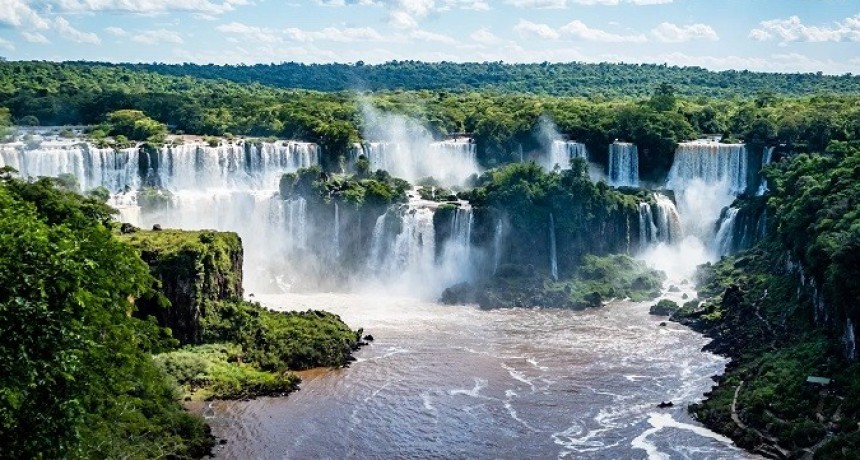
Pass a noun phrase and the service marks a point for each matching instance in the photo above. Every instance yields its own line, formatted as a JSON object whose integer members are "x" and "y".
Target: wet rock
{"x": 368, "y": 338}
{"x": 662, "y": 324}
{"x": 127, "y": 228}
{"x": 665, "y": 404}
{"x": 156, "y": 228}
{"x": 674, "y": 288}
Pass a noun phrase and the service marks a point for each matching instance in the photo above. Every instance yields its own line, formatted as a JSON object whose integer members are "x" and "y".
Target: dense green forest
{"x": 504, "y": 125}
{"x": 557, "y": 79}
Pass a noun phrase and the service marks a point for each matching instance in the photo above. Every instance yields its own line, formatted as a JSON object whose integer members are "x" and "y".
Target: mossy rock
{"x": 664, "y": 307}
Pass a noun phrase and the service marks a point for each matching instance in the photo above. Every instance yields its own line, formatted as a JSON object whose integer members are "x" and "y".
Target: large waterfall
{"x": 451, "y": 162}
{"x": 623, "y": 165}
{"x": 562, "y": 152}
{"x": 710, "y": 162}
{"x": 553, "y": 257}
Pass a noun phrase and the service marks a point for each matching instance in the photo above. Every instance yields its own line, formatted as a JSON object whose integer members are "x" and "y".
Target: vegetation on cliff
{"x": 79, "y": 380}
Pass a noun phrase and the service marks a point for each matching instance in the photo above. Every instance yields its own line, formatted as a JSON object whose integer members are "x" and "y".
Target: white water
{"x": 561, "y": 152}
{"x": 623, "y": 165}
{"x": 767, "y": 158}
{"x": 725, "y": 233}
{"x": 710, "y": 162}
{"x": 460, "y": 382}
{"x": 553, "y": 260}
{"x": 498, "y": 238}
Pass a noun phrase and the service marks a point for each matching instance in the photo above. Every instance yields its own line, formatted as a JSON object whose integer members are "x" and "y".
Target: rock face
{"x": 194, "y": 270}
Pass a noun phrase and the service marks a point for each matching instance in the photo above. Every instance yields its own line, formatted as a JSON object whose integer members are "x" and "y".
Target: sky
{"x": 760, "y": 35}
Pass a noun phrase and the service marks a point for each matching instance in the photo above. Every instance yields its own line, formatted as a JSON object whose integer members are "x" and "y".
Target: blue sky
{"x": 765, "y": 35}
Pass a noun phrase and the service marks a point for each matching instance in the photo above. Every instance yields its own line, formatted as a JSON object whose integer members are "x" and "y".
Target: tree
{"x": 136, "y": 126}
{"x": 663, "y": 99}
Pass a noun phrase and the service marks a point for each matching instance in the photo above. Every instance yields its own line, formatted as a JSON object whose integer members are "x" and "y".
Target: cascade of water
{"x": 497, "y": 246}
{"x": 724, "y": 239}
{"x": 667, "y": 220}
{"x": 711, "y": 162}
{"x": 336, "y": 238}
{"x": 766, "y": 159}
{"x": 647, "y": 229}
{"x": 850, "y": 340}
{"x": 623, "y": 165}
{"x": 92, "y": 166}
{"x": 451, "y": 162}
{"x": 296, "y": 222}
{"x": 377, "y": 240}
{"x": 561, "y": 153}
{"x": 553, "y": 261}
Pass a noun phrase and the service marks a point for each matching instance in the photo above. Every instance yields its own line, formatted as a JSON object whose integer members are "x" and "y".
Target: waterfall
{"x": 850, "y": 340}
{"x": 377, "y": 240}
{"x": 92, "y": 166}
{"x": 710, "y": 162}
{"x": 767, "y": 158}
{"x": 297, "y": 221}
{"x": 623, "y": 165}
{"x": 647, "y": 229}
{"x": 561, "y": 153}
{"x": 451, "y": 162}
{"x": 336, "y": 238}
{"x": 497, "y": 246}
{"x": 659, "y": 222}
{"x": 553, "y": 261}
{"x": 724, "y": 240}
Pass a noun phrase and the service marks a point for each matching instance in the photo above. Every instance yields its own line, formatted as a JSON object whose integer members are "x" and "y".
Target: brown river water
{"x": 456, "y": 382}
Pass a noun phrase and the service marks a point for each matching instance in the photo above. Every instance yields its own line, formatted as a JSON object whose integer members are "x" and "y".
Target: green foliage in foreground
{"x": 279, "y": 341}
{"x": 220, "y": 371}
{"x": 596, "y": 280}
{"x": 78, "y": 378}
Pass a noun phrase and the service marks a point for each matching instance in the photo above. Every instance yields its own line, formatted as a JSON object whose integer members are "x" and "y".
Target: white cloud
{"x": 17, "y": 13}
{"x": 484, "y": 37}
{"x": 538, "y": 4}
{"x": 62, "y": 26}
{"x": 35, "y": 37}
{"x": 155, "y": 37}
{"x": 579, "y": 30}
{"x": 347, "y": 34}
{"x": 530, "y": 29}
{"x": 150, "y": 6}
{"x": 424, "y": 35}
{"x": 116, "y": 31}
{"x": 794, "y": 30}
{"x": 6, "y": 45}
{"x": 671, "y": 33}
{"x": 259, "y": 34}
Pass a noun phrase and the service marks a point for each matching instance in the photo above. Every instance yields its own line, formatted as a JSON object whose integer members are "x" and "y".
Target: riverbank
{"x": 756, "y": 314}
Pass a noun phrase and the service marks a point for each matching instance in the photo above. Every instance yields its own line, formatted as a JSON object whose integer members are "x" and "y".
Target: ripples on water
{"x": 458, "y": 382}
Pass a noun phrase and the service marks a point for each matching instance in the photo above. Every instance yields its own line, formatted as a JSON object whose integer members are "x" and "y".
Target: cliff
{"x": 195, "y": 269}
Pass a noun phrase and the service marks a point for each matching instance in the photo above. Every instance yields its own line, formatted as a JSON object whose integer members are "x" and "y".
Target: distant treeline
{"x": 503, "y": 124}
{"x": 562, "y": 79}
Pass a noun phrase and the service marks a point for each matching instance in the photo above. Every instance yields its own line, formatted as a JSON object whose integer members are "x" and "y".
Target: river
{"x": 459, "y": 382}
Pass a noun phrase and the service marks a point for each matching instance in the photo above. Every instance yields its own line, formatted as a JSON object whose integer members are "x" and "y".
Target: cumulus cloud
{"x": 116, "y": 31}
{"x": 424, "y": 35}
{"x": 671, "y": 33}
{"x": 538, "y": 4}
{"x": 35, "y": 37}
{"x": 794, "y": 30}
{"x": 67, "y": 31}
{"x": 258, "y": 34}
{"x": 18, "y": 13}
{"x": 6, "y": 45}
{"x": 530, "y": 29}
